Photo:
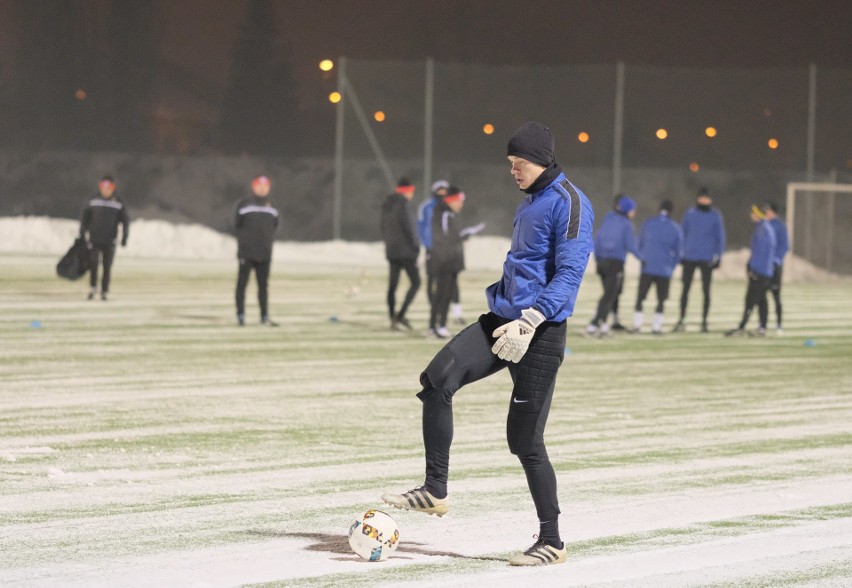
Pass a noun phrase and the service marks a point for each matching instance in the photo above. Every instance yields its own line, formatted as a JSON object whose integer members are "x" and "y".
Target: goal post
{"x": 797, "y": 188}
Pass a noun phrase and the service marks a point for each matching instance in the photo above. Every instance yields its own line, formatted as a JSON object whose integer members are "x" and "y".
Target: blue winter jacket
{"x": 660, "y": 242}
{"x": 424, "y": 221}
{"x": 762, "y": 260}
{"x": 703, "y": 235}
{"x": 782, "y": 241}
{"x": 614, "y": 239}
{"x": 551, "y": 244}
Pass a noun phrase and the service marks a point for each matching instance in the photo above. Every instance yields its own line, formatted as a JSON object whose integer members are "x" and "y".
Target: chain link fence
{"x": 653, "y": 133}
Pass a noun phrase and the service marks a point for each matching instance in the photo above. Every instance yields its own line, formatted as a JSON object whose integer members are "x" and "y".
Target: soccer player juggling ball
{"x": 523, "y": 332}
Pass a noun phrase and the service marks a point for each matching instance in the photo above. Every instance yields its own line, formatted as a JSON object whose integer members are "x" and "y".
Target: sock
{"x": 638, "y": 319}
{"x": 549, "y": 533}
{"x": 436, "y": 489}
{"x": 457, "y": 310}
{"x": 657, "y": 323}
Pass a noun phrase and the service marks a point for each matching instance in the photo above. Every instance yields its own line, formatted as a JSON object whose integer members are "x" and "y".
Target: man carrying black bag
{"x": 99, "y": 226}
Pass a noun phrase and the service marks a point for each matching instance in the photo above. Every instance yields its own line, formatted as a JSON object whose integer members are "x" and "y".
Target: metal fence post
{"x": 428, "y": 120}
{"x": 337, "y": 203}
{"x": 618, "y": 127}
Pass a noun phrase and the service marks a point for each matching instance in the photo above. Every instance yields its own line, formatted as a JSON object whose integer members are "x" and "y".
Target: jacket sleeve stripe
{"x": 574, "y": 211}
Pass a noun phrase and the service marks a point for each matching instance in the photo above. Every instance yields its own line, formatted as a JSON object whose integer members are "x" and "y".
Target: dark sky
{"x": 725, "y": 33}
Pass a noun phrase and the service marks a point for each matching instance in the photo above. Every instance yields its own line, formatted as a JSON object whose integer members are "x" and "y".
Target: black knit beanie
{"x": 534, "y": 142}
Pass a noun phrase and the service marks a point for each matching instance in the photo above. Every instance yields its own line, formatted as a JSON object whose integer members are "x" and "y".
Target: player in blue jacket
{"x": 660, "y": 242}
{"x": 703, "y": 244}
{"x": 759, "y": 269}
{"x": 424, "y": 230}
{"x": 782, "y": 245}
{"x": 523, "y": 332}
{"x": 614, "y": 240}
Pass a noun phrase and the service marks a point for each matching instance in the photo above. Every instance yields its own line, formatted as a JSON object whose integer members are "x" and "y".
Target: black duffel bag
{"x": 75, "y": 263}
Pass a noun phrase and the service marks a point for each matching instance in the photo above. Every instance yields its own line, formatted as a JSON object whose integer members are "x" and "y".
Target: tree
{"x": 258, "y": 113}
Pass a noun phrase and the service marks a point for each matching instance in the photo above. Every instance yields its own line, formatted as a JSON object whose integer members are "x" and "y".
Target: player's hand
{"x": 716, "y": 262}
{"x": 513, "y": 338}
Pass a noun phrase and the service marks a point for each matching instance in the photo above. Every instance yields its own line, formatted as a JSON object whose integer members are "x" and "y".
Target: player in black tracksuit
{"x": 99, "y": 227}
{"x": 447, "y": 258}
{"x": 256, "y": 224}
{"x": 402, "y": 246}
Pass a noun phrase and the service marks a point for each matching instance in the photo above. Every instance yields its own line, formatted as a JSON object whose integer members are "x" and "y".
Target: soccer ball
{"x": 374, "y": 535}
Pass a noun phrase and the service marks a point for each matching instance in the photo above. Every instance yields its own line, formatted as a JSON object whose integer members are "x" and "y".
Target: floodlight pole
{"x": 337, "y": 202}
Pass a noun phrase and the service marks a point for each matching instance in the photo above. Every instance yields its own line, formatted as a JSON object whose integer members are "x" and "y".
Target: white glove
{"x": 514, "y": 337}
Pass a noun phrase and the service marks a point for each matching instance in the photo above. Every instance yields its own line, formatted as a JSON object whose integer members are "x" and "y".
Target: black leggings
{"x": 756, "y": 296}
{"x": 468, "y": 358}
{"x": 396, "y": 267}
{"x": 706, "y": 277}
{"x": 261, "y": 271}
{"x": 96, "y": 253}
{"x": 775, "y": 289}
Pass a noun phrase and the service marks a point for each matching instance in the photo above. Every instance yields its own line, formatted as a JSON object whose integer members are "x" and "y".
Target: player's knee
{"x": 530, "y": 451}
{"x": 432, "y": 396}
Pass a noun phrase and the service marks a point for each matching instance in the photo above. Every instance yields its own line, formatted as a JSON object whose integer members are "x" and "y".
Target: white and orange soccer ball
{"x": 374, "y": 535}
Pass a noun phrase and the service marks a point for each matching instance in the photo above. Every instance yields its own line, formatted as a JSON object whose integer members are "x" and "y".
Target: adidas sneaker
{"x": 540, "y": 554}
{"x": 418, "y": 499}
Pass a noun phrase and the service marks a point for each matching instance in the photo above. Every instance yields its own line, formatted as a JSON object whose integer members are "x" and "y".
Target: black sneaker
{"x": 103, "y": 295}
{"x": 91, "y": 296}
{"x": 540, "y": 554}
{"x": 704, "y": 328}
{"x": 268, "y": 322}
{"x": 403, "y": 322}
{"x": 679, "y": 327}
{"x": 735, "y": 333}
{"x": 618, "y": 327}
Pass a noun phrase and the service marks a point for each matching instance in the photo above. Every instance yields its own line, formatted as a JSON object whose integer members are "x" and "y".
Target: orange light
{"x": 710, "y": 131}
{"x": 335, "y": 97}
{"x": 80, "y": 94}
{"x": 773, "y": 143}
{"x": 326, "y": 65}
{"x": 583, "y": 137}
{"x": 694, "y": 167}
{"x": 379, "y": 116}
{"x": 662, "y": 134}
{"x": 488, "y": 129}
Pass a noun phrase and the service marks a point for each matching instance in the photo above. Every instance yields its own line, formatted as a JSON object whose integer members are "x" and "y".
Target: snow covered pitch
{"x": 149, "y": 441}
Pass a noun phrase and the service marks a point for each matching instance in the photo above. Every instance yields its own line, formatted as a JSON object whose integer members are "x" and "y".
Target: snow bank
{"x": 162, "y": 239}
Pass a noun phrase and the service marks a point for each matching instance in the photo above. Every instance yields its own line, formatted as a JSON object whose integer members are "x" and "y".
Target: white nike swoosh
{"x": 516, "y": 401}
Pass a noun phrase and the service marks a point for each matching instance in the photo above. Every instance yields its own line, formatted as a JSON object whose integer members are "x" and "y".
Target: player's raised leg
{"x": 465, "y": 359}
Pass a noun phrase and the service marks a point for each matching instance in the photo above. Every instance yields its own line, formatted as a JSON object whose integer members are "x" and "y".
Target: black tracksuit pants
{"x": 446, "y": 288}
{"x": 468, "y": 358}
{"x": 261, "y": 272}
{"x": 645, "y": 282}
{"x": 396, "y": 267}
{"x": 96, "y": 254}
